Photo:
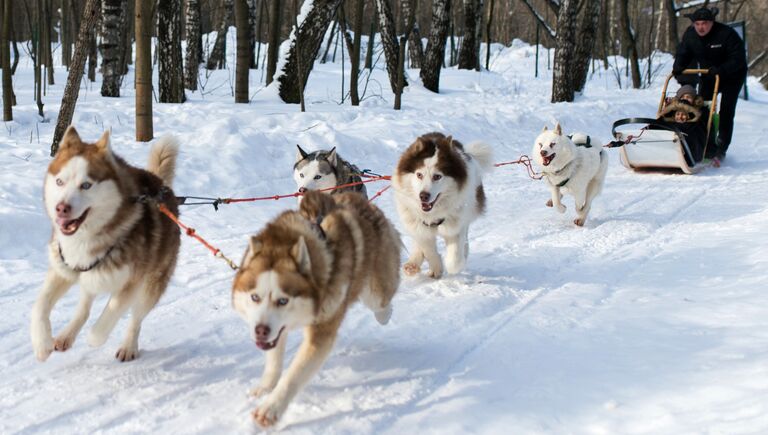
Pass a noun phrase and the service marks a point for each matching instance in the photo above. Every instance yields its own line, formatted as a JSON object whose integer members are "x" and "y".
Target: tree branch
{"x": 539, "y": 18}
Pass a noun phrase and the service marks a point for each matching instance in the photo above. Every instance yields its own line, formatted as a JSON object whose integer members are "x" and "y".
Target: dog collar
{"x": 436, "y": 223}
{"x": 90, "y": 266}
{"x": 562, "y": 183}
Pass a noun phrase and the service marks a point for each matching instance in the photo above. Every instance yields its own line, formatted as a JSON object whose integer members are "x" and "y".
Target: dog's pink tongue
{"x": 62, "y": 222}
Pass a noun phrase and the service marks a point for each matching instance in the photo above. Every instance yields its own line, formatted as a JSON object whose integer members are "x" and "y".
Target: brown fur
{"x": 675, "y": 105}
{"x": 450, "y": 162}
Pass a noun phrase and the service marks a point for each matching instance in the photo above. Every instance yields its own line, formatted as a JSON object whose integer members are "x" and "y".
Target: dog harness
{"x": 434, "y": 224}
{"x": 90, "y": 266}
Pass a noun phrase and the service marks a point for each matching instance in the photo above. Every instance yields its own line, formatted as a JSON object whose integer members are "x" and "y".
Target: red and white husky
{"x": 107, "y": 238}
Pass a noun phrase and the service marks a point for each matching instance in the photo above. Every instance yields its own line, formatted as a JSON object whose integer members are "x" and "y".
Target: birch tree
{"x": 192, "y": 57}
{"x": 435, "y": 52}
{"x": 112, "y": 17}
{"x": 469, "y": 54}
{"x": 244, "y": 51}
{"x": 170, "y": 68}
{"x": 217, "y": 59}
{"x": 143, "y": 24}
{"x": 565, "y": 41}
{"x": 388, "y": 40}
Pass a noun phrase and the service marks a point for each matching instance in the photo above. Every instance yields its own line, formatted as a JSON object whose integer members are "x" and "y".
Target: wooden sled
{"x": 650, "y": 145}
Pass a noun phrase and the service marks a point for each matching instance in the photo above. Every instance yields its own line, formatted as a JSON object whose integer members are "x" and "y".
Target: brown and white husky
{"x": 304, "y": 270}
{"x": 106, "y": 239}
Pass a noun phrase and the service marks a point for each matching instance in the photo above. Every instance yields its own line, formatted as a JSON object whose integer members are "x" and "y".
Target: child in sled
{"x": 684, "y": 112}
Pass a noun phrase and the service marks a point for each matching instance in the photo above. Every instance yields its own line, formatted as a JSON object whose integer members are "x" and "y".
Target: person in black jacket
{"x": 707, "y": 44}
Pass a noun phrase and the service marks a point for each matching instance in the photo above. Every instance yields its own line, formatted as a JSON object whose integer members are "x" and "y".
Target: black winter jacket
{"x": 722, "y": 48}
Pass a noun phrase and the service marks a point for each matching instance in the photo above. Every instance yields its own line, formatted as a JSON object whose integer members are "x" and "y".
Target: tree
{"x": 218, "y": 57}
{"x": 672, "y": 36}
{"x": 243, "y": 51}
{"x": 435, "y": 53}
{"x": 112, "y": 17}
{"x": 354, "y": 54}
{"x": 45, "y": 36}
{"x": 565, "y": 41}
{"x": 630, "y": 42}
{"x": 415, "y": 50}
{"x": 76, "y": 67}
{"x": 192, "y": 58}
{"x": 6, "y": 62}
{"x": 586, "y": 36}
{"x": 143, "y": 24}
{"x": 275, "y": 13}
{"x": 469, "y": 55}
{"x": 304, "y": 47}
{"x": 170, "y": 68}
{"x": 388, "y": 40}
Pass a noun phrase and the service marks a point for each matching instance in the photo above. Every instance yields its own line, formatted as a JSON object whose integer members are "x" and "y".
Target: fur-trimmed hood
{"x": 676, "y": 105}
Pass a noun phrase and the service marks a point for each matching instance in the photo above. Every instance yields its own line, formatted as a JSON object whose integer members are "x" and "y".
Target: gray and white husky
{"x": 323, "y": 170}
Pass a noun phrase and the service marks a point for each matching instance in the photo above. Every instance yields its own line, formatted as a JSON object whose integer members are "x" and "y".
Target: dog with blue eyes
{"x": 304, "y": 270}
{"x": 322, "y": 169}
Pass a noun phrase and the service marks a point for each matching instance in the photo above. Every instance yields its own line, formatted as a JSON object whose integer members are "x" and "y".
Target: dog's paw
{"x": 260, "y": 390}
{"x": 549, "y": 203}
{"x": 127, "y": 353}
{"x": 63, "y": 342}
{"x": 580, "y": 221}
{"x": 411, "y": 269}
{"x": 561, "y": 208}
{"x": 383, "y": 315}
{"x": 436, "y": 274}
{"x": 43, "y": 348}
{"x": 268, "y": 412}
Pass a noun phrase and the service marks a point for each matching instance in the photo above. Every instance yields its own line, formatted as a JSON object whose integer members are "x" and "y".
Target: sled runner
{"x": 648, "y": 143}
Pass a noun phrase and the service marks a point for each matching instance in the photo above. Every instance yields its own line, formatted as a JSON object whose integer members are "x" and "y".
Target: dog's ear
{"x": 419, "y": 144}
{"x": 70, "y": 137}
{"x": 301, "y": 154}
{"x": 544, "y": 129}
{"x": 253, "y": 249}
{"x": 332, "y": 156}
{"x": 300, "y": 254}
{"x": 450, "y": 140}
{"x": 558, "y": 130}
{"x": 103, "y": 143}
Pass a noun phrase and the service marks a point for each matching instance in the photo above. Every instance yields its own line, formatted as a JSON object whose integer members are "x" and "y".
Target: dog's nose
{"x": 63, "y": 209}
{"x": 262, "y": 332}
{"x": 424, "y": 196}
{"x": 302, "y": 189}
{"x": 543, "y": 153}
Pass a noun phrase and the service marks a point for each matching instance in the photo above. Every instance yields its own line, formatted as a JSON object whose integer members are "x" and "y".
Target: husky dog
{"x": 440, "y": 192}
{"x": 572, "y": 165}
{"x": 323, "y": 170}
{"x": 107, "y": 239}
{"x": 304, "y": 270}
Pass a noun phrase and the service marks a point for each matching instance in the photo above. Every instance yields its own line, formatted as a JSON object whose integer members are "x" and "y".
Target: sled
{"x": 649, "y": 145}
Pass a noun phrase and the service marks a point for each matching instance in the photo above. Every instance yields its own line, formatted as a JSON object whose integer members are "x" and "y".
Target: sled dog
{"x": 304, "y": 270}
{"x": 439, "y": 191}
{"x": 107, "y": 238}
{"x": 573, "y": 164}
{"x": 323, "y": 170}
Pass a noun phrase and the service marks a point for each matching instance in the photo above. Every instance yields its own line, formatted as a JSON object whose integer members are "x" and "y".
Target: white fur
{"x": 456, "y": 205}
{"x": 582, "y": 169}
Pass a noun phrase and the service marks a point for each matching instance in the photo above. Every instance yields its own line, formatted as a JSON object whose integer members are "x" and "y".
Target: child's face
{"x": 681, "y": 116}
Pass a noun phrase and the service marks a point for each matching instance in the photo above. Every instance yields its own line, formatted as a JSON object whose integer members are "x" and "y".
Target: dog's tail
{"x": 483, "y": 153}
{"x": 162, "y": 159}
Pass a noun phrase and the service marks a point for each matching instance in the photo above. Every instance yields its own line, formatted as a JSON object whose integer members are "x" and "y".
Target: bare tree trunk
{"x": 369, "y": 48}
{"x": 218, "y": 57}
{"x": 586, "y": 37}
{"x": 66, "y": 32}
{"x": 257, "y": 35}
{"x": 565, "y": 41}
{"x": 112, "y": 12}
{"x": 93, "y": 54}
{"x": 143, "y": 23}
{"x": 388, "y": 40}
{"x": 354, "y": 54}
{"x": 72, "y": 88}
{"x": 192, "y": 60}
{"x": 435, "y": 53}
{"x": 170, "y": 69}
{"x": 415, "y": 49}
{"x": 672, "y": 36}
{"x": 308, "y": 39}
{"x": 489, "y": 21}
{"x": 6, "y": 62}
{"x": 127, "y": 31}
{"x": 631, "y": 46}
{"x": 469, "y": 54}
{"x": 252, "y": 33}
{"x": 47, "y": 39}
{"x": 331, "y": 37}
{"x": 242, "y": 67}
{"x": 275, "y": 13}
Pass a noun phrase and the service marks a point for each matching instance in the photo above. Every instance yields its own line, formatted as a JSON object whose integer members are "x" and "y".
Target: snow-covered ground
{"x": 653, "y": 318}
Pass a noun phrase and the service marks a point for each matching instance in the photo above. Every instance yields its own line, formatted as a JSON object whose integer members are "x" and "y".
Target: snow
{"x": 653, "y": 318}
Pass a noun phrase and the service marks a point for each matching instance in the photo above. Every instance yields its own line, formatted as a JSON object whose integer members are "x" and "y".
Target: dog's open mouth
{"x": 546, "y": 160}
{"x": 267, "y": 345}
{"x": 69, "y": 227}
{"x": 427, "y": 206}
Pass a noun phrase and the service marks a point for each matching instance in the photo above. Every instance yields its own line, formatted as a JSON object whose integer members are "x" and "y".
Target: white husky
{"x": 575, "y": 165}
{"x": 440, "y": 192}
